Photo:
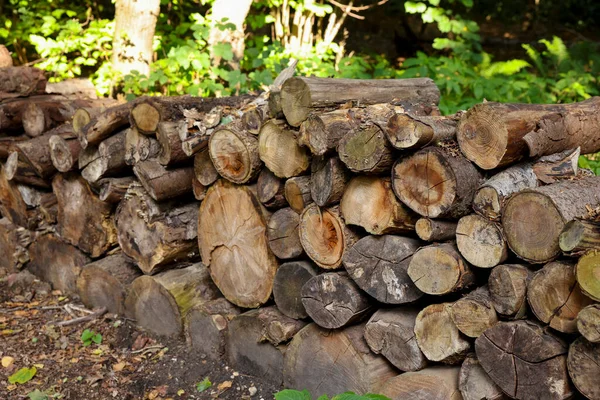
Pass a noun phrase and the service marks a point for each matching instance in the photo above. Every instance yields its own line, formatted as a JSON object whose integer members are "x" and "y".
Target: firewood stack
{"x": 330, "y": 234}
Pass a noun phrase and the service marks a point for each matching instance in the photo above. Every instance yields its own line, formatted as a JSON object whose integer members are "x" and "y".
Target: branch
{"x": 351, "y": 10}
{"x": 74, "y": 321}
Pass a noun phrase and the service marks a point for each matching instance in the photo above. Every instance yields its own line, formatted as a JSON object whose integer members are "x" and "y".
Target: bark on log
{"x": 328, "y": 180}
{"x": 41, "y": 116}
{"x": 379, "y": 264}
{"x": 20, "y": 171}
{"x": 297, "y": 193}
{"x": 84, "y": 115}
{"x": 533, "y": 219}
{"x": 139, "y": 147}
{"x": 11, "y": 111}
{"x": 112, "y": 190}
{"x": 432, "y": 230}
{"x": 405, "y": 131}
{"x": 233, "y": 244}
{"x": 508, "y": 289}
{"x": 435, "y": 383}
{"x": 481, "y": 241}
{"x": 552, "y": 168}
{"x": 169, "y": 137}
{"x": 525, "y": 361}
{"x": 271, "y": 190}
{"x": 21, "y": 81}
{"x": 583, "y": 364}
{"x": 161, "y": 183}
{"x": 234, "y": 154}
{"x": 579, "y": 236}
{"x": 474, "y": 313}
{"x": 14, "y": 241}
{"x": 110, "y": 159}
{"x": 104, "y": 125}
{"x": 321, "y": 133}
{"x": 7, "y": 143}
{"x": 391, "y": 334}
{"x": 198, "y": 189}
{"x": 366, "y": 150}
{"x": 475, "y": 384}
{"x": 195, "y": 143}
{"x": 282, "y": 233}
{"x": 588, "y": 323}
{"x": 75, "y": 88}
{"x": 436, "y": 182}
{"x": 253, "y": 118}
{"x": 278, "y": 149}
{"x": 287, "y": 287}
{"x": 86, "y": 156}
{"x": 587, "y": 274}
{"x": 204, "y": 169}
{"x": 12, "y": 205}
{"x": 44, "y": 205}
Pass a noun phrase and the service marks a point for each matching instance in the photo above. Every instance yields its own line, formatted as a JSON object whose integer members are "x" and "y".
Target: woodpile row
{"x": 328, "y": 234}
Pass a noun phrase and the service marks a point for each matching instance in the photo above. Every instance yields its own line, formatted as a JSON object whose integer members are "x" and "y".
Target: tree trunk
{"x": 282, "y": 233}
{"x": 21, "y": 81}
{"x": 112, "y": 190}
{"x": 204, "y": 169}
{"x": 280, "y": 152}
{"x": 508, "y": 289}
{"x": 583, "y": 364}
{"x": 110, "y": 159}
{"x": 413, "y": 132}
{"x": 587, "y": 274}
{"x": 378, "y": 265}
{"x": 287, "y": 287}
{"x": 475, "y": 384}
{"x": 235, "y": 155}
{"x": 271, "y": 190}
{"x": 579, "y": 236}
{"x": 588, "y": 323}
{"x": 107, "y": 123}
{"x": 435, "y": 383}
{"x": 480, "y": 241}
{"x": 161, "y": 183}
{"x": 14, "y": 241}
{"x": 169, "y": 135}
{"x": 297, "y": 193}
{"x": 432, "y": 230}
{"x": 474, "y": 313}
{"x": 328, "y": 180}
{"x": 533, "y": 219}
{"x": 235, "y": 12}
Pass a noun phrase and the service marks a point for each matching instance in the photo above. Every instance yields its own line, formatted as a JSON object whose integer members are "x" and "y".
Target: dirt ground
{"x": 127, "y": 364}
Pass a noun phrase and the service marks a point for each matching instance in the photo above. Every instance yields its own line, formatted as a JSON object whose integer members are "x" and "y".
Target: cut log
{"x": 579, "y": 236}
{"x": 282, "y": 233}
{"x": 508, "y": 289}
{"x": 233, "y": 244}
{"x": 436, "y": 182}
{"x": 11, "y": 111}
{"x": 41, "y": 116}
{"x": 329, "y": 362}
{"x": 587, "y": 274}
{"x": 112, "y": 190}
{"x": 156, "y": 235}
{"x": 75, "y": 88}
{"x": 44, "y": 205}
{"x": 271, "y": 190}
{"x": 370, "y": 203}
{"x": 21, "y": 81}
{"x": 525, "y": 361}
{"x": 86, "y": 156}
{"x": 14, "y": 241}
{"x": 102, "y": 126}
{"x": 435, "y": 383}
{"x": 588, "y": 323}
{"x": 406, "y": 131}
{"x": 7, "y": 143}
{"x": 324, "y": 236}
{"x": 20, "y": 171}
{"x": 432, "y": 230}
{"x": 328, "y": 180}
{"x": 252, "y": 120}
{"x": 12, "y": 205}
{"x": 161, "y": 183}
{"x": 110, "y": 159}
{"x": 105, "y": 283}
{"x": 57, "y": 262}
{"x": 533, "y": 218}
{"x": 321, "y": 133}
{"x": 474, "y": 313}
{"x": 198, "y": 189}
{"x": 366, "y": 150}
{"x": 83, "y": 219}
{"x": 234, "y": 154}
{"x": 481, "y": 241}
{"x": 169, "y": 135}
{"x": 475, "y": 384}
{"x": 83, "y": 115}
{"x": 378, "y": 264}
{"x": 552, "y": 168}
{"x": 583, "y": 363}
{"x": 204, "y": 169}
{"x": 287, "y": 287}
{"x": 297, "y": 193}
{"x": 391, "y": 334}
{"x": 440, "y": 269}
{"x": 139, "y": 147}
{"x": 158, "y": 303}
{"x": 195, "y": 143}
{"x": 301, "y": 95}
{"x": 437, "y": 336}
{"x": 280, "y": 152}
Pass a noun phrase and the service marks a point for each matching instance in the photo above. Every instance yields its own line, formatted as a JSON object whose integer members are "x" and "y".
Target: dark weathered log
{"x": 508, "y": 289}
{"x": 44, "y": 204}
{"x": 435, "y": 383}
{"x": 583, "y": 364}
{"x": 7, "y": 143}
{"x": 12, "y": 205}
{"x": 297, "y": 193}
{"x": 587, "y": 274}
{"x": 327, "y": 362}
{"x": 405, "y": 131}
{"x": 204, "y": 169}
{"x": 378, "y": 264}
{"x": 105, "y": 124}
{"x": 253, "y": 118}
{"x": 287, "y": 287}
{"x": 525, "y": 361}
{"x": 280, "y": 152}
{"x": 588, "y": 323}
{"x": 436, "y": 182}
{"x": 481, "y": 241}
{"x": 271, "y": 190}
{"x": 579, "y": 236}
{"x": 391, "y": 334}
{"x": 110, "y": 159}
{"x": 14, "y": 241}
{"x": 86, "y": 156}
{"x": 11, "y": 111}
{"x": 234, "y": 154}
{"x": 552, "y": 168}
{"x": 474, "y": 313}
{"x": 20, "y": 171}
{"x": 533, "y": 218}
{"x": 282, "y": 233}
{"x": 162, "y": 183}
{"x": 233, "y": 244}
{"x": 83, "y": 115}
{"x": 112, "y": 190}
{"x": 21, "y": 81}
{"x": 475, "y": 384}
{"x": 328, "y": 180}
{"x": 41, "y": 116}
{"x": 433, "y": 230}
{"x": 169, "y": 135}
{"x": 139, "y": 147}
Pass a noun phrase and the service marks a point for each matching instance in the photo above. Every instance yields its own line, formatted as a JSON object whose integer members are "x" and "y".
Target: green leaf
{"x": 353, "y": 396}
{"x": 289, "y": 394}
{"x": 23, "y": 375}
{"x": 97, "y": 338}
{"x": 37, "y": 395}
{"x": 223, "y": 50}
{"x": 202, "y": 386}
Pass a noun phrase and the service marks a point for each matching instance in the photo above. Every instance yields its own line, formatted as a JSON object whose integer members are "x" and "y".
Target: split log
{"x": 552, "y": 168}
{"x": 391, "y": 334}
{"x": 533, "y": 218}
{"x": 433, "y": 230}
{"x": 370, "y": 203}
{"x": 204, "y": 169}
{"x": 158, "y": 303}
{"x": 297, "y": 193}
{"x": 440, "y": 269}
{"x": 20, "y": 171}
{"x": 139, "y": 147}
{"x": 206, "y": 326}
{"x": 14, "y": 241}
{"x": 324, "y": 236}
{"x": 12, "y": 205}
{"x": 435, "y": 383}
{"x": 378, "y": 265}
{"x": 366, "y": 150}
{"x": 287, "y": 287}
{"x": 474, "y": 313}
{"x": 233, "y": 244}
{"x": 436, "y": 182}
{"x": 587, "y": 274}
{"x": 333, "y": 300}
{"x": 437, "y": 336}
{"x": 583, "y": 364}
{"x": 156, "y": 234}
{"x": 475, "y": 384}
{"x": 508, "y": 289}
{"x": 301, "y": 95}
{"x": 104, "y": 283}
{"x": 169, "y": 135}
{"x": 481, "y": 241}
{"x": 110, "y": 159}
{"x": 112, "y": 190}
{"x": 588, "y": 323}
{"x": 321, "y": 133}
{"x": 555, "y": 297}
{"x": 278, "y": 149}
{"x": 198, "y": 189}
{"x": 328, "y": 180}
{"x": 161, "y": 183}
{"x": 579, "y": 236}
{"x": 329, "y": 362}
{"x": 282, "y": 233}
{"x": 525, "y": 361}
{"x": 83, "y": 219}
{"x": 271, "y": 190}
{"x": 21, "y": 81}
{"x": 405, "y": 131}
{"x": 234, "y": 154}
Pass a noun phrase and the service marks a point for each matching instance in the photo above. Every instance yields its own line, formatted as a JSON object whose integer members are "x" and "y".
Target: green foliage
{"x": 23, "y": 375}
{"x": 88, "y": 337}
{"x": 37, "y": 395}
{"x": 591, "y": 162}
{"x": 202, "y": 386}
{"x": 289, "y": 394}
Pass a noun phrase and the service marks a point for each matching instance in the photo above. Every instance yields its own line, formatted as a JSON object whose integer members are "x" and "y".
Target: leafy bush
{"x": 290, "y": 394}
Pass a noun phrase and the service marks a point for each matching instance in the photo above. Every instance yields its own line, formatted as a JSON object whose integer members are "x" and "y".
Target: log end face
{"x": 588, "y": 274}
{"x": 480, "y": 241}
{"x": 571, "y": 235}
{"x": 60, "y": 154}
{"x": 34, "y": 120}
{"x": 405, "y": 132}
{"x": 313, "y": 135}
{"x": 145, "y": 117}
{"x": 487, "y": 203}
{"x": 11, "y": 165}
{"x": 434, "y": 271}
{"x": 322, "y": 236}
{"x": 295, "y": 101}
{"x": 80, "y": 119}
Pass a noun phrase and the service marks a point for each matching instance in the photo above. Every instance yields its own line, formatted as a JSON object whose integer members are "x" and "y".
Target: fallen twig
{"x": 74, "y": 321}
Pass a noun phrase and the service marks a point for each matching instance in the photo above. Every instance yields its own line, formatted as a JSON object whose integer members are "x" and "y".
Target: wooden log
{"x": 12, "y": 205}
{"x": 437, "y": 336}
{"x": 435, "y": 230}
{"x": 587, "y": 274}
{"x": 324, "y": 236}
{"x": 474, "y": 313}
{"x": 204, "y": 169}
{"x": 370, "y": 203}
{"x": 436, "y": 182}
{"x": 533, "y": 218}
{"x": 7, "y": 143}
{"x": 435, "y": 383}
{"x": 278, "y": 149}
{"x": 158, "y": 303}
{"x": 475, "y": 384}
{"x": 83, "y": 115}
{"x": 507, "y": 284}
{"x": 588, "y": 323}
{"x": 579, "y": 236}
{"x": 86, "y": 156}
{"x": 391, "y": 334}
{"x": 552, "y": 168}
{"x": 11, "y": 111}
{"x": 5, "y": 57}
{"x": 14, "y": 241}
{"x": 21, "y": 81}
{"x": 83, "y": 219}
{"x": 104, "y": 283}
{"x": 195, "y": 143}
{"x": 102, "y": 126}
{"x": 297, "y": 193}
{"x": 321, "y": 133}
{"x": 439, "y": 269}
{"x": 112, "y": 190}
{"x": 271, "y": 190}
{"x": 328, "y": 180}
{"x": 233, "y": 244}
{"x": 406, "y": 131}
{"x": 110, "y": 159}
{"x": 41, "y": 116}
{"x": 366, "y": 150}
{"x": 156, "y": 234}
{"x": 287, "y": 287}
{"x": 301, "y": 95}
{"x": 525, "y": 360}
{"x": 162, "y": 183}
{"x": 481, "y": 241}
{"x": 43, "y": 205}
{"x": 198, "y": 189}
{"x": 253, "y": 119}
{"x": 140, "y": 148}
{"x": 583, "y": 364}
{"x": 75, "y": 88}
{"x": 379, "y": 264}
{"x": 234, "y": 154}
{"x": 169, "y": 135}
{"x": 328, "y": 362}
{"x": 282, "y": 234}
{"x": 20, "y": 171}
{"x": 333, "y": 300}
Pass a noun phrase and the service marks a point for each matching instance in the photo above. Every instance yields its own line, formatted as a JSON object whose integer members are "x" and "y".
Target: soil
{"x": 128, "y": 364}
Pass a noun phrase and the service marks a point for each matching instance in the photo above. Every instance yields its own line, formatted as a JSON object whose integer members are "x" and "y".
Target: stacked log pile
{"x": 329, "y": 235}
